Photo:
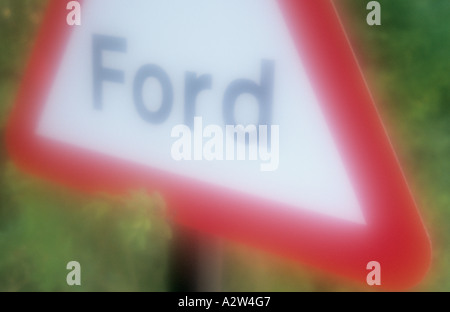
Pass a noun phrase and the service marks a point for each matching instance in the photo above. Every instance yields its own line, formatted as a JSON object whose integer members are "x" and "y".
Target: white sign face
{"x": 135, "y": 70}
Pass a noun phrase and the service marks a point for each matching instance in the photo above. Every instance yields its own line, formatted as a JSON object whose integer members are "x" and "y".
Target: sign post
{"x": 252, "y": 118}
{"x": 196, "y": 262}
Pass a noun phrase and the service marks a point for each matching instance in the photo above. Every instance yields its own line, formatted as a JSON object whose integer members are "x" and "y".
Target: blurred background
{"x": 123, "y": 243}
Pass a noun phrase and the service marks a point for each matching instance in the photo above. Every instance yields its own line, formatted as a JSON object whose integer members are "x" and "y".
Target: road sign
{"x": 157, "y": 94}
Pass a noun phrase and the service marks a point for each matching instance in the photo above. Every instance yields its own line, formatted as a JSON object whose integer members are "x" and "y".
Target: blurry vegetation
{"x": 19, "y": 21}
{"x": 122, "y": 243}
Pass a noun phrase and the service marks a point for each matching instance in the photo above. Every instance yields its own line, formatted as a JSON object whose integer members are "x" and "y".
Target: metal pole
{"x": 196, "y": 263}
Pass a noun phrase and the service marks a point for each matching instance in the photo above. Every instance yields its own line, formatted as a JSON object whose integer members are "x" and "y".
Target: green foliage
{"x": 121, "y": 242}
{"x": 19, "y": 21}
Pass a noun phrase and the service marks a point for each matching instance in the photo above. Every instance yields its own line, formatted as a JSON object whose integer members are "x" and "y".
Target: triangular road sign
{"x": 110, "y": 105}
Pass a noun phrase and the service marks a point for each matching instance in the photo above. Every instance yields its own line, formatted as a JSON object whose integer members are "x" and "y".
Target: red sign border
{"x": 394, "y": 236}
